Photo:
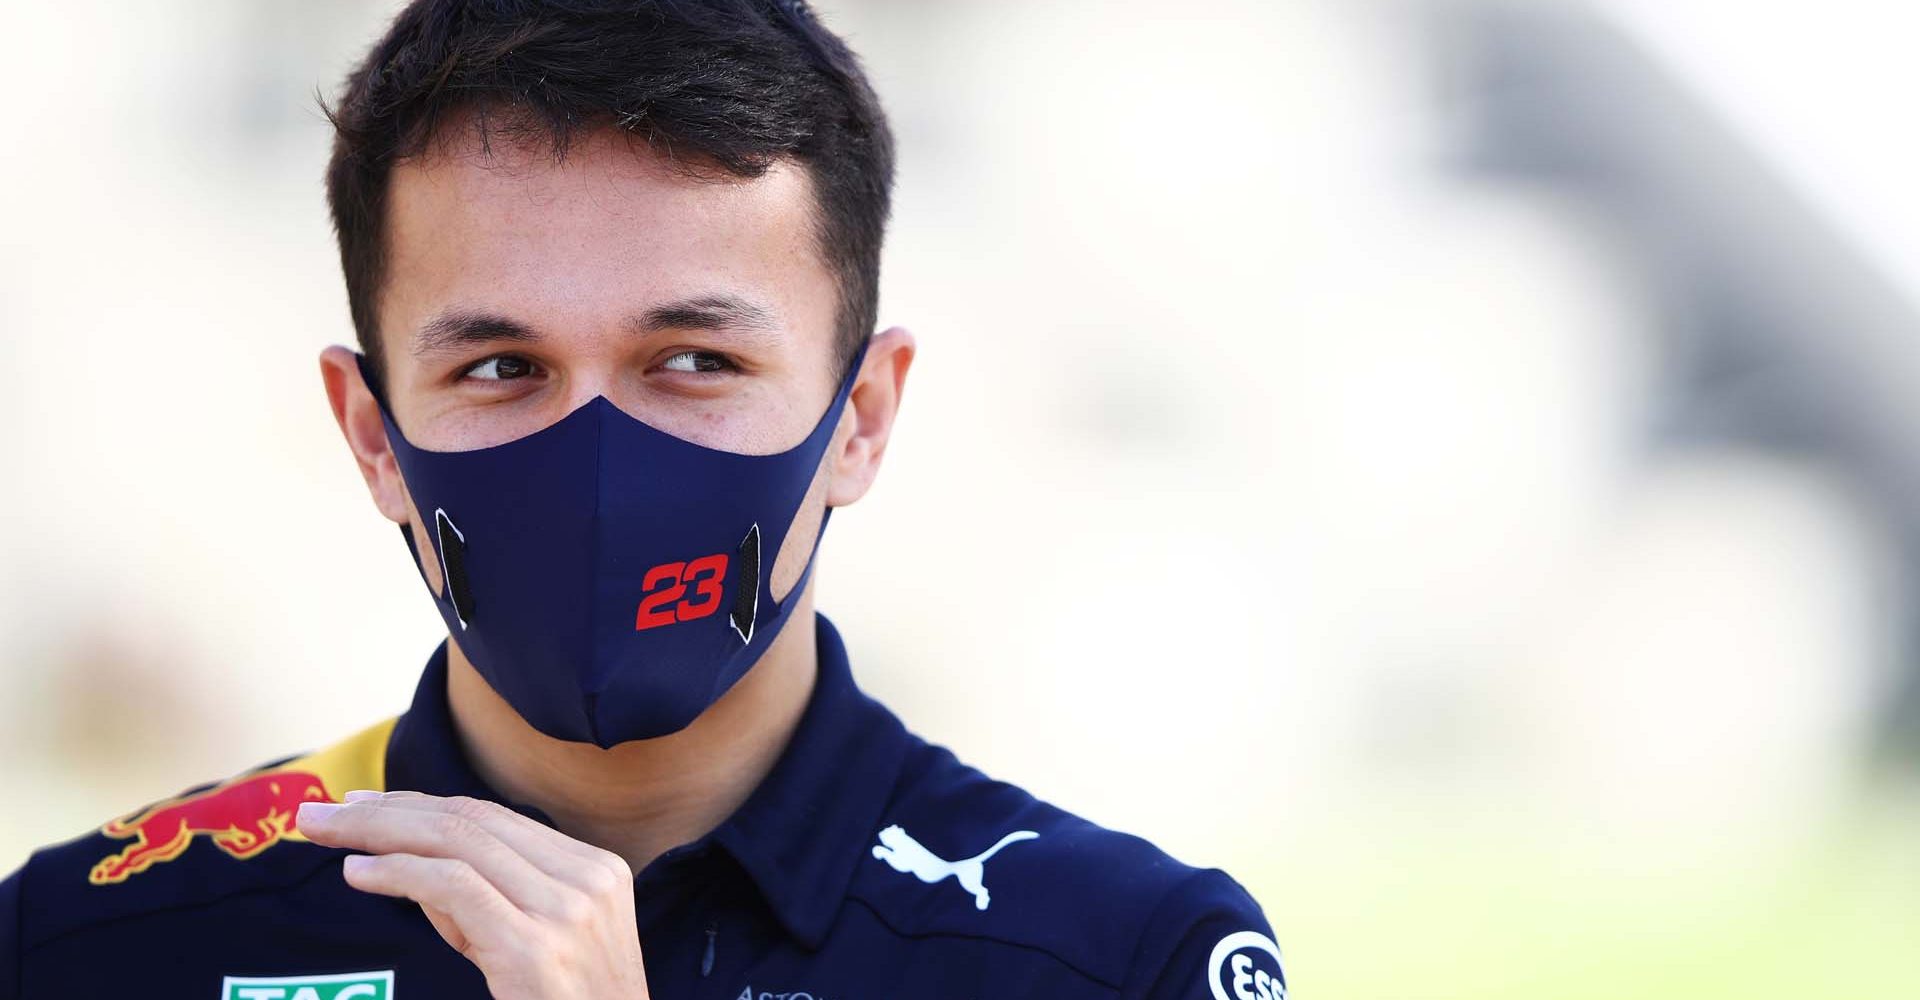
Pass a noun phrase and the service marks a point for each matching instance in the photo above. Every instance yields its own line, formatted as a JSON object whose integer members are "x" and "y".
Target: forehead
{"x": 608, "y": 227}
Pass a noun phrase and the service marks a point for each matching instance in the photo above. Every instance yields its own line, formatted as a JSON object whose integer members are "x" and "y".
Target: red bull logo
{"x": 242, "y": 818}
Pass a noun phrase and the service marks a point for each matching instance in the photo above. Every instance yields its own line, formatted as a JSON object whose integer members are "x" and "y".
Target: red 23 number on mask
{"x": 665, "y": 587}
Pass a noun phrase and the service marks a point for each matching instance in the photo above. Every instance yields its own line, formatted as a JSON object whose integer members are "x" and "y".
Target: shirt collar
{"x": 799, "y": 835}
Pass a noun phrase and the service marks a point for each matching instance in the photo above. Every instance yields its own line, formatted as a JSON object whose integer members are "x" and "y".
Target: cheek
{"x": 764, "y": 418}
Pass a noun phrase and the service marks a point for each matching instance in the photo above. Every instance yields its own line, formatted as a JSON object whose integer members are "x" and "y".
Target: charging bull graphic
{"x": 242, "y": 818}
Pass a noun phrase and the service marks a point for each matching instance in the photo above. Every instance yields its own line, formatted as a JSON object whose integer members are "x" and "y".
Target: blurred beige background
{"x": 1452, "y": 464}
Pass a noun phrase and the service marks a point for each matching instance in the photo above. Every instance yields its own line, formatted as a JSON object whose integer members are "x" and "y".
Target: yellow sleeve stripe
{"x": 359, "y": 761}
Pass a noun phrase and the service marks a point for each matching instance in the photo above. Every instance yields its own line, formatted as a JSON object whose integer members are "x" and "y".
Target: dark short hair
{"x": 717, "y": 85}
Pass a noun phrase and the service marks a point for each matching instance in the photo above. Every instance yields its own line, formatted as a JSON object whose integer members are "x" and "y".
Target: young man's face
{"x": 517, "y": 288}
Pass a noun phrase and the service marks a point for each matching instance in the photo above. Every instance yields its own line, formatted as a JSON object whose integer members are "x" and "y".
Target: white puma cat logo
{"x": 906, "y": 854}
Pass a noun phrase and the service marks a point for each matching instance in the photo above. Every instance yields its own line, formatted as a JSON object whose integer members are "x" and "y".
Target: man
{"x": 614, "y": 269}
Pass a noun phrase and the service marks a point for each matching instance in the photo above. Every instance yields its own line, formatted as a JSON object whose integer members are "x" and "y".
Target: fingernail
{"x": 312, "y": 811}
{"x": 362, "y": 794}
{"x": 353, "y": 863}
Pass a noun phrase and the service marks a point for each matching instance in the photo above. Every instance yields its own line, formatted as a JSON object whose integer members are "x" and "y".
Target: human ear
{"x": 360, "y": 423}
{"x": 873, "y": 404}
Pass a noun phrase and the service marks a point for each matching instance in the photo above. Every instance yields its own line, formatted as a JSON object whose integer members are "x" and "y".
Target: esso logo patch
{"x": 1245, "y": 965}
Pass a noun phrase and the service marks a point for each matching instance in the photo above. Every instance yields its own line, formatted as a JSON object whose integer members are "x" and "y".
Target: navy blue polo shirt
{"x": 869, "y": 865}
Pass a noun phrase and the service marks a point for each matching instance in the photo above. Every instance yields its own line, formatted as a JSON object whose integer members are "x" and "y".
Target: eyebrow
{"x": 451, "y": 331}
{"x": 709, "y": 312}
{"x": 456, "y": 329}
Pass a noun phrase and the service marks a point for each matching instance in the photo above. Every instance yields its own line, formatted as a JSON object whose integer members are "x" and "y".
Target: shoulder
{"x": 10, "y": 937}
{"x": 960, "y": 853}
{"x": 209, "y": 842}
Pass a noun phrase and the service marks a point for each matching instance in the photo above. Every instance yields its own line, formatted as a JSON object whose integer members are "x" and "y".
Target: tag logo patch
{"x": 1245, "y": 965}
{"x": 348, "y": 986}
{"x": 906, "y": 854}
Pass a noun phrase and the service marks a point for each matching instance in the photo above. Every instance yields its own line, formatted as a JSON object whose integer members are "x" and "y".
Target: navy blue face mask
{"x": 610, "y": 580}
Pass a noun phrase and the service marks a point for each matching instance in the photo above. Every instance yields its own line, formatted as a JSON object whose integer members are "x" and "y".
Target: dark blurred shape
{"x": 1772, "y": 332}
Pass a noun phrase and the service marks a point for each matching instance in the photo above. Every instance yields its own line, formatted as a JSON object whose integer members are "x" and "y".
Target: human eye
{"x": 499, "y": 368}
{"x": 702, "y": 362}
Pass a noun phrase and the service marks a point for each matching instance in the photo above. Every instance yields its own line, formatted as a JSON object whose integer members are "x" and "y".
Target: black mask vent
{"x": 746, "y": 585}
{"x": 453, "y": 565}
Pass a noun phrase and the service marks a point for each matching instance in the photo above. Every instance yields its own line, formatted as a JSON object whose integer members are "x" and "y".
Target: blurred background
{"x": 1454, "y": 464}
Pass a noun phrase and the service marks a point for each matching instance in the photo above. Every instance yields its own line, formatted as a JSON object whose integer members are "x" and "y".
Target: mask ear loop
{"x": 828, "y": 420}
{"x": 372, "y": 380}
{"x": 406, "y": 533}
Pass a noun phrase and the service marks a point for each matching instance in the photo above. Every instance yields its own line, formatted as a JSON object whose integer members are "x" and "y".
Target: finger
{"x": 541, "y": 837}
{"x": 579, "y": 864}
{"x": 449, "y": 931}
{"x": 378, "y": 828}
{"x": 449, "y": 890}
